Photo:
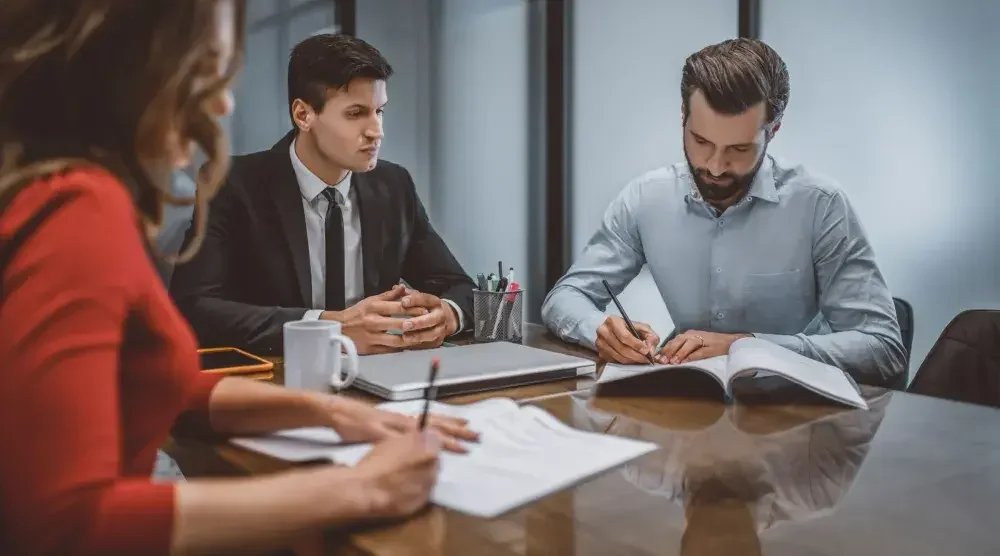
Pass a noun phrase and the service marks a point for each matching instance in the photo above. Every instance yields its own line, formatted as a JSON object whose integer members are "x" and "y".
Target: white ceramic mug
{"x": 312, "y": 355}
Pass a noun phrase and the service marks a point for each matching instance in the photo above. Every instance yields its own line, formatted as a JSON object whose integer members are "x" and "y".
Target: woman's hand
{"x": 357, "y": 421}
{"x": 398, "y": 474}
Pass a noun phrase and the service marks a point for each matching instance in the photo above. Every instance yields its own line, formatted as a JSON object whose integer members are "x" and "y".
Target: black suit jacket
{"x": 252, "y": 272}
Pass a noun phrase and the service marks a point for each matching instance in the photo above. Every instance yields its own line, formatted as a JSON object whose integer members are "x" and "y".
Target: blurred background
{"x": 520, "y": 120}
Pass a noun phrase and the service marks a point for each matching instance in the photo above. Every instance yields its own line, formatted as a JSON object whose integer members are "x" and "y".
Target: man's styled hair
{"x": 327, "y": 61}
{"x": 735, "y": 75}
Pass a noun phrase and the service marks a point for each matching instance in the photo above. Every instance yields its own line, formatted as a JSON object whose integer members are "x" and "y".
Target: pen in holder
{"x": 499, "y": 316}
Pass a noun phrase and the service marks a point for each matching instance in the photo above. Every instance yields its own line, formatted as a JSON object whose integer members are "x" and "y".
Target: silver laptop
{"x": 464, "y": 369}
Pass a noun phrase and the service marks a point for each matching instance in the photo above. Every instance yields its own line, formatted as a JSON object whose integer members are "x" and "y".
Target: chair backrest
{"x": 904, "y": 314}
{"x": 964, "y": 364}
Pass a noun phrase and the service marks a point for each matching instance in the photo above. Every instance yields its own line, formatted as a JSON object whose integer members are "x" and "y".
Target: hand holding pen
{"x": 401, "y": 471}
{"x": 620, "y": 340}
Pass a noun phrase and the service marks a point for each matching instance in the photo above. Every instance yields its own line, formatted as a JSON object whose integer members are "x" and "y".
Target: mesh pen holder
{"x": 499, "y": 316}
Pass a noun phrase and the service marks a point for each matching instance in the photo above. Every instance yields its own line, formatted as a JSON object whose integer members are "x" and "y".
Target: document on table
{"x": 753, "y": 357}
{"x": 524, "y": 454}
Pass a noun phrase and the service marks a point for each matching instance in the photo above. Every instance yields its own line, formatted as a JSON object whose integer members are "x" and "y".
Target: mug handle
{"x": 351, "y": 369}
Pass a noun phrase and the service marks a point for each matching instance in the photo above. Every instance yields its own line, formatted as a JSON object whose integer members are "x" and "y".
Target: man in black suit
{"x": 318, "y": 227}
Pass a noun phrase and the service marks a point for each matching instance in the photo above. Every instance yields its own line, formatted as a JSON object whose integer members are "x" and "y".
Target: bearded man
{"x": 738, "y": 242}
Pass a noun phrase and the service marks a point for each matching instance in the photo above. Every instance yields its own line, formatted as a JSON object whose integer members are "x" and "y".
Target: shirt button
{"x": 722, "y": 222}
{"x": 718, "y": 269}
{"x": 720, "y": 314}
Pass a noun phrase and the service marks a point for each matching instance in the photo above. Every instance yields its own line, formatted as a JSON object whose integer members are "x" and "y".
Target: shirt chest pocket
{"x": 778, "y": 303}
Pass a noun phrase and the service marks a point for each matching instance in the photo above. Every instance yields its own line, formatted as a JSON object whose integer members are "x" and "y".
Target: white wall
{"x": 458, "y": 117}
{"x": 897, "y": 100}
{"x": 626, "y": 107}
{"x": 480, "y": 156}
{"x": 274, "y": 27}
{"x": 401, "y": 30}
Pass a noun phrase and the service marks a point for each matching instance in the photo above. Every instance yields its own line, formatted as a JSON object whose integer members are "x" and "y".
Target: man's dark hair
{"x": 735, "y": 75}
{"x": 327, "y": 61}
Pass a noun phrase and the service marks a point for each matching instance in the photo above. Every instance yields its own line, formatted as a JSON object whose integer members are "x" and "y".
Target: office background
{"x": 520, "y": 120}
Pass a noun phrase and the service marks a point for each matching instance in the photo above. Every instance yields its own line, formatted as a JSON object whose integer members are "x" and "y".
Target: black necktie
{"x": 335, "y": 296}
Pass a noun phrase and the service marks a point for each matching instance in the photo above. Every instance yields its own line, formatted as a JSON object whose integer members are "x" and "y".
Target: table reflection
{"x": 738, "y": 470}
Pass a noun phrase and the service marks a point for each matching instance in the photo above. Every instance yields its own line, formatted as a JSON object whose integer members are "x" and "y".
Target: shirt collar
{"x": 763, "y": 183}
{"x": 762, "y": 186}
{"x": 310, "y": 185}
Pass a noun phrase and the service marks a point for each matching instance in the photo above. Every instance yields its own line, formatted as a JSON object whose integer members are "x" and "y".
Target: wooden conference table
{"x": 780, "y": 473}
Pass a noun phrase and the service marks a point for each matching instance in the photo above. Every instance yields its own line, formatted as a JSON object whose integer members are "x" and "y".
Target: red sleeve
{"x": 195, "y": 422}
{"x": 66, "y": 296}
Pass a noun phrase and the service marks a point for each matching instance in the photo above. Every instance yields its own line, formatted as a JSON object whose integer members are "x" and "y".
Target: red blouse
{"x": 96, "y": 367}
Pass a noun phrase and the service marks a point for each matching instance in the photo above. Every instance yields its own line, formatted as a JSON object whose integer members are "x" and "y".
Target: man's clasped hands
{"x": 398, "y": 319}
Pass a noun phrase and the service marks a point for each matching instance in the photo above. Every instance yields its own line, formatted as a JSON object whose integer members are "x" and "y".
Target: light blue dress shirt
{"x": 790, "y": 263}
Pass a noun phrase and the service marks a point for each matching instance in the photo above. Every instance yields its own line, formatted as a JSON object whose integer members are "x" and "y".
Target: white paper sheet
{"x": 524, "y": 454}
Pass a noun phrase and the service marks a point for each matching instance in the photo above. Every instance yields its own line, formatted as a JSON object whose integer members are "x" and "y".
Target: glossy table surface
{"x": 782, "y": 475}
{"x": 775, "y": 472}
{"x": 196, "y": 459}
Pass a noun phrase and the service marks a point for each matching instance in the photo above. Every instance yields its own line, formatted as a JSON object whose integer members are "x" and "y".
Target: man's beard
{"x": 737, "y": 186}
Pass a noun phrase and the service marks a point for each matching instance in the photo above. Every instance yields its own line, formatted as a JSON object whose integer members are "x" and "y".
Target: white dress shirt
{"x": 314, "y": 206}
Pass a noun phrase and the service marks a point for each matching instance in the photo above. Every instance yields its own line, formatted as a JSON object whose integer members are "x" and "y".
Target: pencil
{"x": 628, "y": 321}
{"x": 431, "y": 391}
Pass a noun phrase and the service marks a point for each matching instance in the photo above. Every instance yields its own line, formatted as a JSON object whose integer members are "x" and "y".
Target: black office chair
{"x": 904, "y": 314}
{"x": 964, "y": 364}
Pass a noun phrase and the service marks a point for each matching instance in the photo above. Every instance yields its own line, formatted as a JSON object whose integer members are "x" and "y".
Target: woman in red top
{"x": 99, "y": 101}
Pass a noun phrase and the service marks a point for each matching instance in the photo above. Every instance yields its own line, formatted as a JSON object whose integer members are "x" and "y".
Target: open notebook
{"x": 748, "y": 356}
{"x": 524, "y": 453}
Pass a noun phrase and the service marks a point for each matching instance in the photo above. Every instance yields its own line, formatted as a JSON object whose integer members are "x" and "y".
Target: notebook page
{"x": 826, "y": 380}
{"x": 715, "y": 366}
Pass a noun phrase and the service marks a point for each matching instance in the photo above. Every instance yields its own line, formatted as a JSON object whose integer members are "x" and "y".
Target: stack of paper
{"x": 524, "y": 453}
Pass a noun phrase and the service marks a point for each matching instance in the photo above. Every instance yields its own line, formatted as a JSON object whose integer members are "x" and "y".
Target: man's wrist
{"x": 339, "y": 316}
{"x": 457, "y": 315}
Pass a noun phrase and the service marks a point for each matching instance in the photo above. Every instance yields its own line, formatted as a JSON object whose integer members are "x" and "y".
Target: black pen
{"x": 431, "y": 391}
{"x": 628, "y": 322}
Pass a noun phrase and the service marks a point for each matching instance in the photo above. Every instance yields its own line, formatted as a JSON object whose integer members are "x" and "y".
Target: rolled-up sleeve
{"x": 574, "y": 309}
{"x": 864, "y": 337}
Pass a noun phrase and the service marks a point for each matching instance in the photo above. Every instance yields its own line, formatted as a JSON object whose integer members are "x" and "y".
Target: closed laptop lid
{"x": 410, "y": 370}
